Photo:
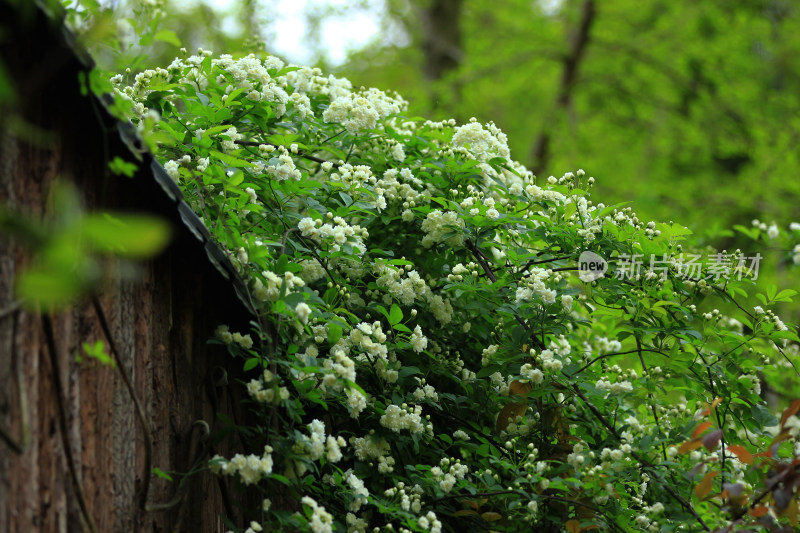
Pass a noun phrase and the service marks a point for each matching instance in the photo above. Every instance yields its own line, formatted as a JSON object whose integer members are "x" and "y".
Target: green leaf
{"x": 251, "y": 363}
{"x": 230, "y": 160}
{"x": 50, "y": 286}
{"x": 762, "y": 416}
{"x": 160, "y": 473}
{"x": 334, "y": 333}
{"x": 130, "y": 236}
{"x": 395, "y": 315}
{"x": 168, "y": 36}
{"x": 98, "y": 351}
{"x": 120, "y": 167}
{"x": 784, "y": 296}
{"x": 346, "y": 198}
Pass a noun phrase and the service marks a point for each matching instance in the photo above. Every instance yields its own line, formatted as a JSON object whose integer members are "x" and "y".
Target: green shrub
{"x": 432, "y": 351}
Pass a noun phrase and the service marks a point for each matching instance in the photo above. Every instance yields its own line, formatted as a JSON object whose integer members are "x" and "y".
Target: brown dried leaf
{"x": 791, "y": 512}
{"x": 519, "y": 388}
{"x": 700, "y": 429}
{"x": 707, "y": 410}
{"x": 491, "y": 516}
{"x": 704, "y": 487}
{"x": 510, "y": 411}
{"x": 690, "y": 445}
{"x": 793, "y": 408}
{"x": 742, "y": 453}
{"x": 573, "y": 526}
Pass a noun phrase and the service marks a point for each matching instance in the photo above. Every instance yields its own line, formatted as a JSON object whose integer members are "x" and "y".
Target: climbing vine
{"x": 447, "y": 342}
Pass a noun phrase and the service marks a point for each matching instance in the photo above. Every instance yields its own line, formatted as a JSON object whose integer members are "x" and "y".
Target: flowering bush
{"x": 432, "y": 355}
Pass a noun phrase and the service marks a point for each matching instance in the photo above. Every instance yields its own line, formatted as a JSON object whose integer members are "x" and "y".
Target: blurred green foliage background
{"x": 689, "y": 108}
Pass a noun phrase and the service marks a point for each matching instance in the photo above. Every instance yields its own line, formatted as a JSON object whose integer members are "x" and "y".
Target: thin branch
{"x": 61, "y": 400}
{"x": 285, "y": 236}
{"x": 540, "y": 154}
{"x": 140, "y": 414}
{"x": 650, "y": 394}
{"x": 599, "y": 357}
{"x": 481, "y": 258}
{"x": 737, "y": 304}
{"x": 554, "y": 259}
{"x": 19, "y": 446}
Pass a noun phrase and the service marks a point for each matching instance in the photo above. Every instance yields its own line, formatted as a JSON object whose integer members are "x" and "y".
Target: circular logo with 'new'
{"x": 591, "y": 266}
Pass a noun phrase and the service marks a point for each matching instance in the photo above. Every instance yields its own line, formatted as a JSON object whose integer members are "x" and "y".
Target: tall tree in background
{"x": 651, "y": 98}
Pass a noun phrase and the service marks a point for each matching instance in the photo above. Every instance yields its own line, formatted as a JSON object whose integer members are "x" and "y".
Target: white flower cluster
{"x": 250, "y": 468}
{"x": 229, "y": 138}
{"x": 404, "y": 417}
{"x": 577, "y": 458}
{"x": 406, "y": 289}
{"x": 410, "y": 498}
{"x": 361, "y": 112}
{"x": 448, "y": 473}
{"x": 370, "y": 447}
{"x": 430, "y": 522}
{"x": 460, "y": 434}
{"x": 484, "y": 144}
{"x": 487, "y": 353}
{"x": 604, "y": 345}
{"x": 284, "y": 168}
{"x": 370, "y": 339}
{"x": 410, "y": 289}
{"x": 534, "y": 284}
{"x": 316, "y": 445}
{"x": 418, "y": 341}
{"x": 588, "y": 227}
{"x": 340, "y": 367}
{"x": 321, "y": 520}
{"x": 340, "y": 232}
{"x": 439, "y": 226}
{"x": 614, "y": 388}
{"x": 312, "y": 270}
{"x": 224, "y": 334}
{"x": 308, "y": 80}
{"x": 534, "y": 375}
{"x": 360, "y": 492}
{"x": 403, "y": 187}
{"x": 275, "y": 284}
{"x": 356, "y": 402}
{"x": 425, "y": 391}
{"x": 263, "y": 390}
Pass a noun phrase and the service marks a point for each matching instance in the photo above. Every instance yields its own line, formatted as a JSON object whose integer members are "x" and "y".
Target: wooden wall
{"x": 159, "y": 319}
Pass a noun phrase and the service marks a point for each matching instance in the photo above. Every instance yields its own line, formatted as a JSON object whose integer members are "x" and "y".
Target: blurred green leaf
{"x": 132, "y": 236}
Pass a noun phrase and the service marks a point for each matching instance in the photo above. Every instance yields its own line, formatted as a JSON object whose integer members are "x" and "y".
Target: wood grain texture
{"x": 160, "y": 319}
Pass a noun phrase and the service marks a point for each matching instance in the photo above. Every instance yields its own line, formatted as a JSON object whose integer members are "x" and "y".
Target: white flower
{"x": 418, "y": 341}
{"x": 303, "y": 311}
{"x": 773, "y": 232}
{"x": 172, "y": 169}
{"x": 334, "y": 453}
{"x": 566, "y": 302}
{"x": 460, "y": 435}
{"x": 224, "y": 334}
